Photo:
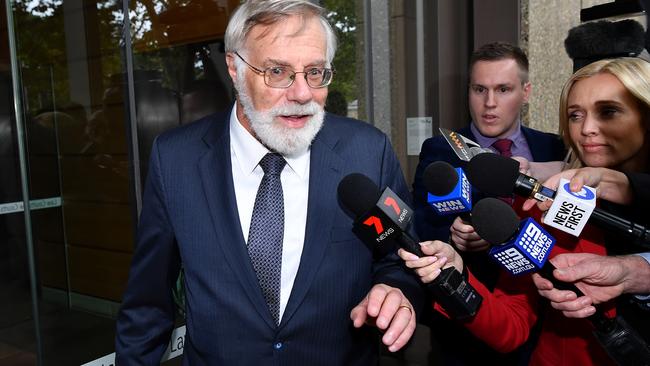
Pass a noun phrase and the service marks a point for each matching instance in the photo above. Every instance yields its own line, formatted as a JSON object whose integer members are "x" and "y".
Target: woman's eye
{"x": 607, "y": 113}
{"x": 575, "y": 116}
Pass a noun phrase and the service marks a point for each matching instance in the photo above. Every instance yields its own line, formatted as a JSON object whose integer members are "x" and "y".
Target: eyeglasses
{"x": 282, "y": 77}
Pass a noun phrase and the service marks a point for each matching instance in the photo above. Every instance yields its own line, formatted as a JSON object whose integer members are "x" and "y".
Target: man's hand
{"x": 600, "y": 278}
{"x": 389, "y": 310}
{"x": 465, "y": 238}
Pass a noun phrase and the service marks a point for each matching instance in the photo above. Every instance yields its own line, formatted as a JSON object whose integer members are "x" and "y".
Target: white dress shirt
{"x": 246, "y": 152}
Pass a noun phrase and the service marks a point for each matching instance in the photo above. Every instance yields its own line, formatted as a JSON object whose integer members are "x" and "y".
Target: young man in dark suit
{"x": 498, "y": 89}
{"x": 247, "y": 202}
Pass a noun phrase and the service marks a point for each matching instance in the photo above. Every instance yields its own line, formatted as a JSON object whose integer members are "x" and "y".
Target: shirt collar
{"x": 249, "y": 151}
{"x": 485, "y": 141}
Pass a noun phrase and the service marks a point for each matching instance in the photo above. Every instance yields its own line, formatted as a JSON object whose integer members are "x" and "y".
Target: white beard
{"x": 273, "y": 134}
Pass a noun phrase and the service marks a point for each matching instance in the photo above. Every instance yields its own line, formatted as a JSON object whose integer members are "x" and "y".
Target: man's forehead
{"x": 290, "y": 27}
{"x": 283, "y": 42}
{"x": 497, "y": 72}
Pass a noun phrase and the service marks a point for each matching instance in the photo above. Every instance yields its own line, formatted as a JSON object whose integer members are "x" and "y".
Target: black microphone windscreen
{"x": 493, "y": 174}
{"x": 440, "y": 178}
{"x": 494, "y": 220}
{"x": 603, "y": 39}
{"x": 358, "y": 193}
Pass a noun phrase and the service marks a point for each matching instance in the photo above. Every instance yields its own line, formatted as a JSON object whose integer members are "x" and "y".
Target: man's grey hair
{"x": 267, "y": 12}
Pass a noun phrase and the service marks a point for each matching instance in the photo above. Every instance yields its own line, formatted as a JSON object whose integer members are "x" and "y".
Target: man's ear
{"x": 528, "y": 88}
{"x": 232, "y": 68}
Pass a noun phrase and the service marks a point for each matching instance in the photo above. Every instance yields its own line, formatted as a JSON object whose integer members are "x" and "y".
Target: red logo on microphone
{"x": 390, "y": 202}
{"x": 374, "y": 221}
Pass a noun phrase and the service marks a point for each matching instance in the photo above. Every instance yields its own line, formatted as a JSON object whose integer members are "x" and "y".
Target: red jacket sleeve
{"x": 506, "y": 316}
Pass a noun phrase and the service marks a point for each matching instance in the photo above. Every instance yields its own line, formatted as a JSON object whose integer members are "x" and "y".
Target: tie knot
{"x": 503, "y": 146}
{"x": 272, "y": 163}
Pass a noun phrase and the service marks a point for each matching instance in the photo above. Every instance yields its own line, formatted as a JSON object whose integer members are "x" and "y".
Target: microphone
{"x": 381, "y": 218}
{"x": 449, "y": 191}
{"x": 499, "y": 176}
{"x": 526, "y": 248}
{"x": 519, "y": 247}
{"x": 593, "y": 41}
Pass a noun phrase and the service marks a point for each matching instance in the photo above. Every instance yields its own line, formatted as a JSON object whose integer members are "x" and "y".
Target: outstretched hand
{"x": 389, "y": 310}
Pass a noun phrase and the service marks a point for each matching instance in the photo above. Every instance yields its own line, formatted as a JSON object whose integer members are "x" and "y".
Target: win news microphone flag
{"x": 448, "y": 189}
{"x": 524, "y": 247}
{"x": 381, "y": 219}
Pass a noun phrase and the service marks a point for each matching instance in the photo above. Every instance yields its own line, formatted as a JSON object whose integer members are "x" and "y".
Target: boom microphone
{"x": 526, "y": 249}
{"x": 449, "y": 191}
{"x": 382, "y": 217}
{"x": 499, "y": 176}
{"x": 593, "y": 41}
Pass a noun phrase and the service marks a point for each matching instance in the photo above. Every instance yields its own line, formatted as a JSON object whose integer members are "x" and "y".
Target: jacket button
{"x": 278, "y": 345}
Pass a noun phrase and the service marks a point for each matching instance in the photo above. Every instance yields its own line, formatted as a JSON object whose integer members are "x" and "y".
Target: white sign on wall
{"x": 418, "y": 129}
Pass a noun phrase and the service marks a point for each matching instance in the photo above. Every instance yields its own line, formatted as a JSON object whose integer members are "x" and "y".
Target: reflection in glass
{"x": 70, "y": 61}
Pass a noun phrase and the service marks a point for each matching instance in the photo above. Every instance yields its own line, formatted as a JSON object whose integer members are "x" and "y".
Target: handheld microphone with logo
{"x": 519, "y": 247}
{"x": 526, "y": 249}
{"x": 571, "y": 210}
{"x": 499, "y": 176}
{"x": 449, "y": 191}
{"x": 381, "y": 218}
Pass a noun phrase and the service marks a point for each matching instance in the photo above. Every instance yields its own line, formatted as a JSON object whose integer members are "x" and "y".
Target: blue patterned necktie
{"x": 267, "y": 231}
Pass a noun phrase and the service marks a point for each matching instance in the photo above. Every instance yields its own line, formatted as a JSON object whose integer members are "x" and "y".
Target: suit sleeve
{"x": 639, "y": 184}
{"x": 146, "y": 318}
{"x": 428, "y": 224}
{"x": 390, "y": 269}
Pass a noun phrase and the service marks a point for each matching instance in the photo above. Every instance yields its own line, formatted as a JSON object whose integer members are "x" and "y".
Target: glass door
{"x": 63, "y": 282}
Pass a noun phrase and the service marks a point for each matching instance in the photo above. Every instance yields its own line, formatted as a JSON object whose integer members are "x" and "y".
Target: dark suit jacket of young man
{"x": 457, "y": 345}
{"x": 190, "y": 215}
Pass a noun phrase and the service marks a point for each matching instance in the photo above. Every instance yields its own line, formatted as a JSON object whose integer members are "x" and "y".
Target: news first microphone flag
{"x": 571, "y": 210}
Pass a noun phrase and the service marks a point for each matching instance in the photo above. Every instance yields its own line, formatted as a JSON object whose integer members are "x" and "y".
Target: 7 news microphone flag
{"x": 381, "y": 219}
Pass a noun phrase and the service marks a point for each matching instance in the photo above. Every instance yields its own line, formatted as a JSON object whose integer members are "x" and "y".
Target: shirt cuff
{"x": 646, "y": 256}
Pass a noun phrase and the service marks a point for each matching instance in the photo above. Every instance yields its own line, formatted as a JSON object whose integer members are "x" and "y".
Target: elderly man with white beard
{"x": 247, "y": 203}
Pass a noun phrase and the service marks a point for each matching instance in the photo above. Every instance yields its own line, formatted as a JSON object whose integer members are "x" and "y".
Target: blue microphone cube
{"x": 527, "y": 252}
{"x": 459, "y": 200}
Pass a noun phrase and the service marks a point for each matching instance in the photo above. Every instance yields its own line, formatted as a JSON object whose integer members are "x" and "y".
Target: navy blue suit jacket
{"x": 190, "y": 215}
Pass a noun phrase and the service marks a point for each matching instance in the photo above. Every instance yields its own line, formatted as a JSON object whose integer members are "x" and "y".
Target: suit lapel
{"x": 536, "y": 151}
{"x": 216, "y": 177}
{"x": 324, "y": 176}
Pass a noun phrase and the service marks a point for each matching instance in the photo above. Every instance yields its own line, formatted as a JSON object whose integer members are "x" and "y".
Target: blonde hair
{"x": 632, "y": 72}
